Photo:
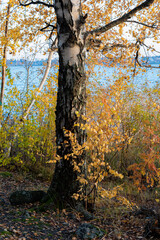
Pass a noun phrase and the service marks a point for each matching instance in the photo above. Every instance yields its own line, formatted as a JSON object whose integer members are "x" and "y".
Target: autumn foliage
{"x": 122, "y": 121}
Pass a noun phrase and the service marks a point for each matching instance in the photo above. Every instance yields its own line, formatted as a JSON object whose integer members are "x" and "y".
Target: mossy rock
{"x": 22, "y": 197}
{"x": 89, "y": 231}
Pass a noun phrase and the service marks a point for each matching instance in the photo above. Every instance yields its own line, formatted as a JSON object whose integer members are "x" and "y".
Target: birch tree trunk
{"x": 71, "y": 96}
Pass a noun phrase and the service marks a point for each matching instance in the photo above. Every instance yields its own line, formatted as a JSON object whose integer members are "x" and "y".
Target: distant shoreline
{"x": 21, "y": 62}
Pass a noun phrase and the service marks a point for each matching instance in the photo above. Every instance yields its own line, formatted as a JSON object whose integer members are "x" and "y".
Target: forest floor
{"x": 19, "y": 222}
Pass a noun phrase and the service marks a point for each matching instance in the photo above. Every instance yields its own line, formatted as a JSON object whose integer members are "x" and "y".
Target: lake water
{"x": 104, "y": 75}
{"x": 151, "y": 77}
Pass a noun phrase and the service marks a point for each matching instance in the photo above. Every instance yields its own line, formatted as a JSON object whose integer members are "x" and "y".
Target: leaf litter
{"x": 20, "y": 223}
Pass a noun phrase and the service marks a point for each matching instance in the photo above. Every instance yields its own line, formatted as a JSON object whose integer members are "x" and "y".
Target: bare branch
{"x": 96, "y": 43}
{"x": 117, "y": 45}
{"x": 54, "y": 44}
{"x": 145, "y": 65}
{"x": 122, "y": 19}
{"x": 139, "y": 43}
{"x": 40, "y": 86}
{"x": 35, "y": 2}
{"x": 149, "y": 47}
{"x": 47, "y": 26}
{"x": 144, "y": 24}
{"x": 93, "y": 43}
{"x": 136, "y": 57}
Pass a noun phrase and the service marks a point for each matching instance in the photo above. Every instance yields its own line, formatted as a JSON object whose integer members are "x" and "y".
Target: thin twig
{"x": 35, "y": 3}
{"x": 144, "y": 24}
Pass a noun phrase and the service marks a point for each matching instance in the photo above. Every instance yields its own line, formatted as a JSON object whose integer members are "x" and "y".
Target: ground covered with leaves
{"x": 115, "y": 220}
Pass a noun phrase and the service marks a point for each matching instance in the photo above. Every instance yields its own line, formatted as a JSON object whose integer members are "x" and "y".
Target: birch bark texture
{"x": 71, "y": 96}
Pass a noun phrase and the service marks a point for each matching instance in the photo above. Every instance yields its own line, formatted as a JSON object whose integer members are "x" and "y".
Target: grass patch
{"x": 5, "y": 232}
{"x": 6, "y": 174}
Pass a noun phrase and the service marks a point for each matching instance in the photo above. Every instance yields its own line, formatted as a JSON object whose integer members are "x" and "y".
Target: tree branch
{"x": 47, "y": 26}
{"x": 146, "y": 25}
{"x": 117, "y": 45}
{"x": 96, "y": 43}
{"x": 35, "y": 2}
{"x": 145, "y": 65}
{"x": 149, "y": 47}
{"x": 122, "y": 19}
{"x": 40, "y": 86}
{"x": 139, "y": 43}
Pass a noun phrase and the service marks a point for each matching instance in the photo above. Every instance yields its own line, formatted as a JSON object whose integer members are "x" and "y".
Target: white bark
{"x": 41, "y": 84}
{"x": 70, "y": 55}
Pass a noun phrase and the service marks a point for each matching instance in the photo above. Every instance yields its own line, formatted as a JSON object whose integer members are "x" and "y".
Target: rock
{"x": 21, "y": 197}
{"x": 148, "y": 212}
{"x": 87, "y": 215}
{"x": 89, "y": 231}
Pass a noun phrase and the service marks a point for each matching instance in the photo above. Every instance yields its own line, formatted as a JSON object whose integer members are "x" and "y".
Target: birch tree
{"x": 96, "y": 26}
